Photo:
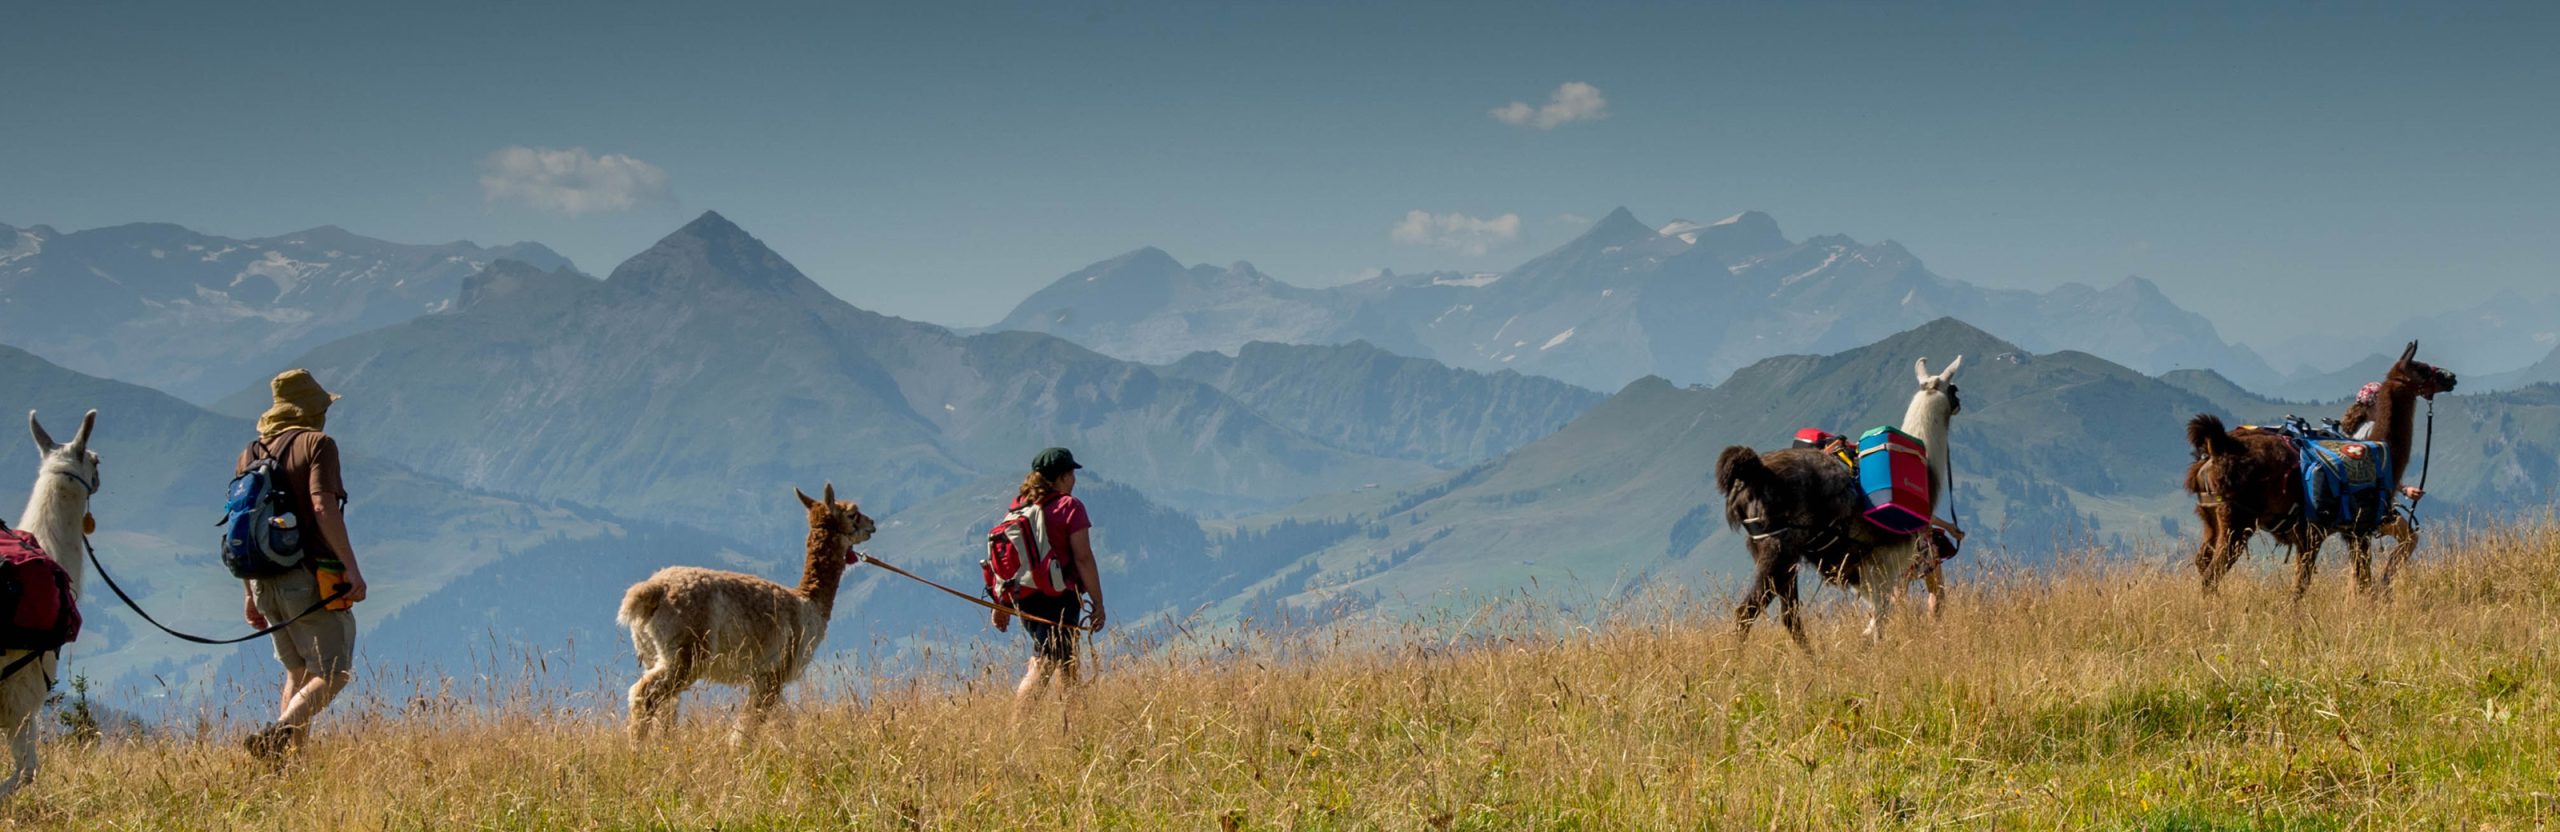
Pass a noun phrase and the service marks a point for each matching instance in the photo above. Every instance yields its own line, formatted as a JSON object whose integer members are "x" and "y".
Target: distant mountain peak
{"x": 710, "y": 254}
{"x": 1945, "y": 334}
{"x": 712, "y": 226}
{"x": 1620, "y": 224}
{"x": 1148, "y": 257}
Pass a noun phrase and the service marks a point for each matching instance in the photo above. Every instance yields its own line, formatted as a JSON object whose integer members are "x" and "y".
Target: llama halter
{"x": 74, "y": 476}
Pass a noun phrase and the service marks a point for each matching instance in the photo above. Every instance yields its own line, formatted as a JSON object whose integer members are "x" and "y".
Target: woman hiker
{"x": 1051, "y": 486}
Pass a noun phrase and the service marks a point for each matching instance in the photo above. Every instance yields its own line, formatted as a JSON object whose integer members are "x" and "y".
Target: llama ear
{"x": 1950, "y": 371}
{"x": 44, "y": 441}
{"x": 1920, "y": 368}
{"x": 87, "y": 423}
{"x": 2411, "y": 352}
{"x": 805, "y": 502}
{"x": 831, "y": 493}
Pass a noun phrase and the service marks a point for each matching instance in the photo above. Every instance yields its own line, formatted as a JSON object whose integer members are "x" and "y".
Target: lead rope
{"x": 2428, "y": 457}
{"x": 101, "y": 566}
{"x": 965, "y": 596}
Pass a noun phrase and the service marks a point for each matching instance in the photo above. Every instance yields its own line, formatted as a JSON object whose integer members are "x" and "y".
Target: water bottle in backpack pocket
{"x": 261, "y": 536}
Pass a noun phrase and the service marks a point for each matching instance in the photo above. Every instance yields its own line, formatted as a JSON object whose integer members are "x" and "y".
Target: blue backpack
{"x": 2346, "y": 482}
{"x": 261, "y": 536}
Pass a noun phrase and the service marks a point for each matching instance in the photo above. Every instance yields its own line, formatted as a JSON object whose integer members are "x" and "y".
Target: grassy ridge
{"x": 2099, "y": 694}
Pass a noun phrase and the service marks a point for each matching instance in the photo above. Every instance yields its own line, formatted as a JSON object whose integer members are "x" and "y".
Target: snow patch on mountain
{"x": 26, "y": 245}
{"x": 1477, "y": 280}
{"x": 1558, "y": 341}
{"x": 1834, "y": 257}
{"x": 284, "y": 272}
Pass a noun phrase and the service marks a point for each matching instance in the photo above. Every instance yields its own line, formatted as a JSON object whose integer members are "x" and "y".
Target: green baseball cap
{"x": 1054, "y": 460}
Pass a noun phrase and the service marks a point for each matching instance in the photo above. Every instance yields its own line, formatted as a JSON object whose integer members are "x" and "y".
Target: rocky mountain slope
{"x": 198, "y": 315}
{"x": 1367, "y": 399}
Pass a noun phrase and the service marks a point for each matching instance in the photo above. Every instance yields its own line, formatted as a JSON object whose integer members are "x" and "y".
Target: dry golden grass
{"x": 2099, "y": 695}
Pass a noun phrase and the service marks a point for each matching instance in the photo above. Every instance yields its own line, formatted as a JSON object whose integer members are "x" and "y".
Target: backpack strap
{"x": 264, "y": 444}
{"x": 21, "y": 664}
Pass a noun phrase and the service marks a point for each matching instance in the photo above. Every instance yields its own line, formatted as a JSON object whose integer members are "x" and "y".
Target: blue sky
{"x": 940, "y": 161}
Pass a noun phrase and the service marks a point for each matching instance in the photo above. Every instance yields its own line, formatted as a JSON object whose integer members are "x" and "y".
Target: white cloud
{"x": 1456, "y": 232}
{"x": 571, "y": 182}
{"x": 1572, "y": 219}
{"x": 1575, "y": 101}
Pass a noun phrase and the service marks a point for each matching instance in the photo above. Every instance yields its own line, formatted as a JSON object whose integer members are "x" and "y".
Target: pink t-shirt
{"x": 1063, "y": 516}
{"x": 1066, "y": 515}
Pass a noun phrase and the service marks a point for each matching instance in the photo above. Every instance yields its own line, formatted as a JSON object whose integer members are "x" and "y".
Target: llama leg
{"x": 2360, "y": 555}
{"x": 2404, "y": 541}
{"x": 2306, "y": 556}
{"x": 1764, "y": 588}
{"x": 23, "y": 699}
{"x": 2209, "y": 549}
{"x": 1787, "y": 612}
{"x": 653, "y": 699}
{"x": 1879, "y": 597}
{"x": 764, "y": 695}
{"x": 2230, "y": 543}
{"x": 1936, "y": 584}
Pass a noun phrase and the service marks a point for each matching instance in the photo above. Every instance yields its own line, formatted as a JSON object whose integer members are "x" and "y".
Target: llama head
{"x": 1941, "y": 383}
{"x": 839, "y": 517}
{"x": 2418, "y": 376}
{"x": 73, "y": 460}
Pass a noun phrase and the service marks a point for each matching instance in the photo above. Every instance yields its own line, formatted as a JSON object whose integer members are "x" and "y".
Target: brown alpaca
{"x": 2249, "y": 480}
{"x": 690, "y": 624}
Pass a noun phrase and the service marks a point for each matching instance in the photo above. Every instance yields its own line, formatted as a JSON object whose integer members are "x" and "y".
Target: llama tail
{"x": 1743, "y": 478}
{"x": 2206, "y": 434}
{"x": 640, "y": 603}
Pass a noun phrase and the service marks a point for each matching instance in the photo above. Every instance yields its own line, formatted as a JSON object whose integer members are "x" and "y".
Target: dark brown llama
{"x": 2249, "y": 480}
{"x": 1801, "y": 507}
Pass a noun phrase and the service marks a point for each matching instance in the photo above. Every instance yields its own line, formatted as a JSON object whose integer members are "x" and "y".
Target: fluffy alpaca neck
{"x": 824, "y": 571}
{"x": 1926, "y": 421}
{"x": 2394, "y": 410}
{"x": 55, "y": 515}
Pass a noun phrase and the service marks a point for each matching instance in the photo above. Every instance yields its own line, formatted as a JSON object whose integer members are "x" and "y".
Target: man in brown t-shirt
{"x": 318, "y": 649}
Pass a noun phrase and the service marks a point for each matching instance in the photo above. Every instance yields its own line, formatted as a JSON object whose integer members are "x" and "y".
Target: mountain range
{"x": 707, "y": 371}
{"x": 197, "y": 315}
{"x": 541, "y": 438}
{"x": 1688, "y": 301}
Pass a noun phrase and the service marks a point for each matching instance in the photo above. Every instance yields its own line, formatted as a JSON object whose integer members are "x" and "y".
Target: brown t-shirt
{"x": 307, "y": 469}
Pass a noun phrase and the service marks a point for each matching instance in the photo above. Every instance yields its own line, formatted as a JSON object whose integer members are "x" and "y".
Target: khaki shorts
{"x": 322, "y": 642}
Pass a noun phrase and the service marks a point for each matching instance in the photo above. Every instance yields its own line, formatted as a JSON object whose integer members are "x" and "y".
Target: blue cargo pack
{"x": 2346, "y": 482}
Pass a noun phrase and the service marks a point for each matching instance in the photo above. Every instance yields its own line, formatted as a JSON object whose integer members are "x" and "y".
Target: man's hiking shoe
{"x": 273, "y": 742}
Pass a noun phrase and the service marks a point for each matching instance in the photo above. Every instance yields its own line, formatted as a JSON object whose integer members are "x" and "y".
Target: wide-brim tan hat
{"x": 300, "y": 402}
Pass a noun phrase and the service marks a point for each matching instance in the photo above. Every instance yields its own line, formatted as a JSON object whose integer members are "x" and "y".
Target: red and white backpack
{"x": 1020, "y": 562}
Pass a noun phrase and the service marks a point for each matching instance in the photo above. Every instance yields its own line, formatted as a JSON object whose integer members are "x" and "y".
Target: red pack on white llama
{"x": 1020, "y": 560}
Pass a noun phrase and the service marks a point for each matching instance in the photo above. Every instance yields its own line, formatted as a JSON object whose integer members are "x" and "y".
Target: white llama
{"x": 689, "y": 623}
{"x": 1888, "y": 572}
{"x": 58, "y": 515}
